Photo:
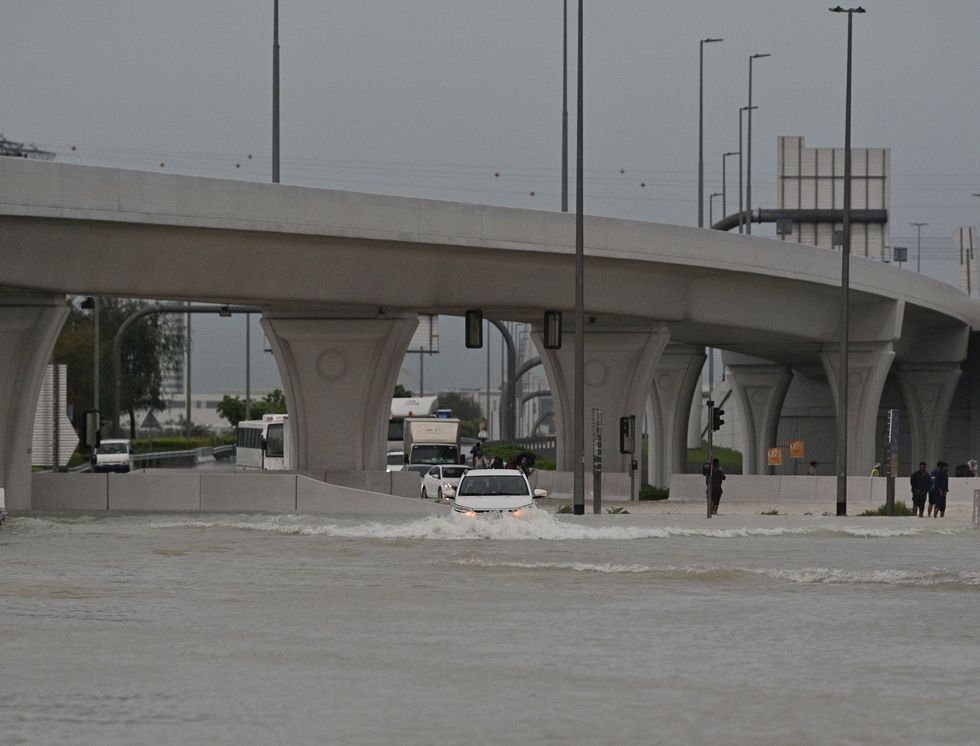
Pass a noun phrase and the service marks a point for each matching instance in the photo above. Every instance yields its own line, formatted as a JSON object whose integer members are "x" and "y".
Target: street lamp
{"x": 701, "y": 131}
{"x": 844, "y": 280}
{"x": 578, "y": 421}
{"x": 918, "y": 245}
{"x": 275, "y": 92}
{"x": 748, "y": 176}
{"x": 724, "y": 180}
{"x": 564, "y": 113}
{"x": 741, "y": 193}
{"x": 92, "y": 302}
{"x": 711, "y": 207}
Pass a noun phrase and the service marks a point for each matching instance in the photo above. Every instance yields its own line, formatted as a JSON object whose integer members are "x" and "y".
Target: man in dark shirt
{"x": 921, "y": 481}
{"x": 937, "y": 493}
{"x": 715, "y": 479}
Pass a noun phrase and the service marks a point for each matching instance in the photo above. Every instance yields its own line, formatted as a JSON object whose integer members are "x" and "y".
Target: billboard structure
{"x": 810, "y": 197}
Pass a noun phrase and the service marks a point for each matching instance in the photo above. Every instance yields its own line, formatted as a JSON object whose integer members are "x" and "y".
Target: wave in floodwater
{"x": 805, "y": 576}
{"x": 533, "y": 525}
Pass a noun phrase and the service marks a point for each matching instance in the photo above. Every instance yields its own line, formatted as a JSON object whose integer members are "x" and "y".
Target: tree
{"x": 401, "y": 392}
{"x": 463, "y": 406}
{"x": 232, "y": 408}
{"x": 151, "y": 346}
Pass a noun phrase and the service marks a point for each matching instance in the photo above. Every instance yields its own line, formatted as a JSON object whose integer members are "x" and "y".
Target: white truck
{"x": 432, "y": 440}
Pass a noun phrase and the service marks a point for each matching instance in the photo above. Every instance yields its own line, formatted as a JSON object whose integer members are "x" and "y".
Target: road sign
{"x": 775, "y": 456}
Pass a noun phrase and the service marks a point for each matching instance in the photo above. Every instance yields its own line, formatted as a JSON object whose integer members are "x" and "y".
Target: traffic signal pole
{"x": 711, "y": 463}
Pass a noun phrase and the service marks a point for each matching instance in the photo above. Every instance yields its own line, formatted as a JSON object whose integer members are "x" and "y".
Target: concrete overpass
{"x": 341, "y": 276}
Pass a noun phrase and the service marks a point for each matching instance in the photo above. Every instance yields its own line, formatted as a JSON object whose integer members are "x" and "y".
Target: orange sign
{"x": 775, "y": 456}
{"x": 796, "y": 449}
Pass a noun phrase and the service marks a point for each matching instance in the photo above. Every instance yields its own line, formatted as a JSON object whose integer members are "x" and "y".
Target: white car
{"x": 494, "y": 490}
{"x": 440, "y": 481}
{"x": 112, "y": 455}
{"x": 395, "y": 461}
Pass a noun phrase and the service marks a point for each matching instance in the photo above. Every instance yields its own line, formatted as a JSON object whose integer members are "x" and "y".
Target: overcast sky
{"x": 434, "y": 98}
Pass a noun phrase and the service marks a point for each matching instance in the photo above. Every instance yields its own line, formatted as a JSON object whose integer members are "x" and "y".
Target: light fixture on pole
{"x": 275, "y": 92}
{"x": 724, "y": 181}
{"x": 701, "y": 130}
{"x": 918, "y": 245}
{"x": 564, "y": 106}
{"x": 741, "y": 191}
{"x": 711, "y": 208}
{"x": 578, "y": 451}
{"x": 748, "y": 167}
{"x": 845, "y": 282}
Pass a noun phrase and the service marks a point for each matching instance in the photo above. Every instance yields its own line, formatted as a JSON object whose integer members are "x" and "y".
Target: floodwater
{"x": 613, "y": 629}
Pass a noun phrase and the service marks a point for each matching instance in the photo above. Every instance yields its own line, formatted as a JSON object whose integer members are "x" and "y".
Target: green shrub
{"x": 649, "y": 492}
{"x": 900, "y": 509}
{"x": 508, "y": 450}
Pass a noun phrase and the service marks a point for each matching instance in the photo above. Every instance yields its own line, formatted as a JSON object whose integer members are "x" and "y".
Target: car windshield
{"x": 453, "y": 472}
{"x": 112, "y": 448}
{"x": 493, "y": 485}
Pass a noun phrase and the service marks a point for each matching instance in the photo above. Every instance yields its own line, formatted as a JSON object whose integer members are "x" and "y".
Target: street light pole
{"x": 564, "y": 106}
{"x": 711, "y": 207}
{"x": 748, "y": 176}
{"x": 701, "y": 130}
{"x": 845, "y": 282}
{"x": 724, "y": 181}
{"x": 578, "y": 507}
{"x": 918, "y": 246}
{"x": 275, "y": 92}
{"x": 741, "y": 192}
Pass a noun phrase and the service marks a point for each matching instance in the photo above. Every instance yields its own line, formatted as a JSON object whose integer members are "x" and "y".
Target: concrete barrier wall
{"x": 862, "y": 492}
{"x": 157, "y": 490}
{"x": 330, "y": 499}
{"x": 274, "y": 493}
{"x": 56, "y": 491}
{"x": 404, "y": 483}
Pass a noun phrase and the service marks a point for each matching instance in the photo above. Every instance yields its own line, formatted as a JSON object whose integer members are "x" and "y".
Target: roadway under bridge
{"x": 341, "y": 277}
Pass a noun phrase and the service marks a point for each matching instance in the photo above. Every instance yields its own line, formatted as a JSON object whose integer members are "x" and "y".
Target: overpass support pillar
{"x": 759, "y": 388}
{"x": 868, "y": 365}
{"x": 928, "y": 390}
{"x": 338, "y": 371}
{"x": 29, "y": 328}
{"x": 672, "y": 389}
{"x": 619, "y": 364}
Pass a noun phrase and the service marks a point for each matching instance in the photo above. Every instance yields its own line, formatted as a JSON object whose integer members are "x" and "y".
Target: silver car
{"x": 440, "y": 481}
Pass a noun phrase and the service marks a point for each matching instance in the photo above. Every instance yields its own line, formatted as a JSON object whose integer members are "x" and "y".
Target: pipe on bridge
{"x": 801, "y": 216}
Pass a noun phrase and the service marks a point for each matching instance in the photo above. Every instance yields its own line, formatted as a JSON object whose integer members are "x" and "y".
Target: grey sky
{"x": 432, "y": 98}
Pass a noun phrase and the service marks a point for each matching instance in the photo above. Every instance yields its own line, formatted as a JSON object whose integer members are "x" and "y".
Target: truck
{"x": 432, "y": 440}
{"x": 407, "y": 406}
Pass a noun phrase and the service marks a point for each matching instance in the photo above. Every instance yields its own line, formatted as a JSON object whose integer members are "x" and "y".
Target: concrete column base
{"x": 759, "y": 388}
{"x": 29, "y": 327}
{"x": 668, "y": 410}
{"x": 338, "y": 371}
{"x": 928, "y": 390}
{"x": 619, "y": 364}
{"x": 868, "y": 365}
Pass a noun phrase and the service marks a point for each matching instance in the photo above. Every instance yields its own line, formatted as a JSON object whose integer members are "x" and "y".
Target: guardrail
{"x": 172, "y": 459}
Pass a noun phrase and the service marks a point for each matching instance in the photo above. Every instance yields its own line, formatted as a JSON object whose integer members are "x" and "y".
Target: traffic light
{"x": 627, "y": 434}
{"x": 474, "y": 328}
{"x": 716, "y": 418}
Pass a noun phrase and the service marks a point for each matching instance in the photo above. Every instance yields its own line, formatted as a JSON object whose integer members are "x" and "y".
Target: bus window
{"x": 274, "y": 441}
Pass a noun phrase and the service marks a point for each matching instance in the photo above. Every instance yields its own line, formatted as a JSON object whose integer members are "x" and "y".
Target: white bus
{"x": 409, "y": 406}
{"x": 264, "y": 444}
